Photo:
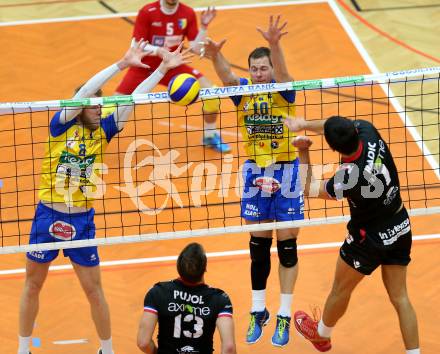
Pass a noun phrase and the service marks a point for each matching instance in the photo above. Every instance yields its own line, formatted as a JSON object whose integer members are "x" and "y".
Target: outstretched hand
{"x": 302, "y": 142}
{"x": 207, "y": 16}
{"x": 210, "y": 49}
{"x": 172, "y": 60}
{"x": 295, "y": 124}
{"x": 134, "y": 56}
{"x": 274, "y": 31}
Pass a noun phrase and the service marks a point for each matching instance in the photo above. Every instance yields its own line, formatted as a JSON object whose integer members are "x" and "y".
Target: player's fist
{"x": 302, "y": 142}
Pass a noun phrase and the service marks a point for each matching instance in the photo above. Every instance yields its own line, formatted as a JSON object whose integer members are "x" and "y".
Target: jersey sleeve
{"x": 56, "y": 127}
{"x": 151, "y": 301}
{"x": 141, "y": 25}
{"x": 109, "y": 126}
{"x": 288, "y": 95}
{"x": 225, "y": 305}
{"x": 237, "y": 99}
{"x": 339, "y": 185}
{"x": 193, "y": 29}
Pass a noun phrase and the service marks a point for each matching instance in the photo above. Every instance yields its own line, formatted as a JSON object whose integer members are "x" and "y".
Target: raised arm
{"x": 312, "y": 187}
{"x": 147, "y": 325}
{"x": 273, "y": 35}
{"x": 133, "y": 57}
{"x": 296, "y": 124}
{"x": 170, "y": 61}
{"x": 212, "y": 50}
{"x": 206, "y": 18}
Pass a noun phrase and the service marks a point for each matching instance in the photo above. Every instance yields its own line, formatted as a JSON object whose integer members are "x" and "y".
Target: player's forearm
{"x": 89, "y": 89}
{"x": 305, "y": 170}
{"x": 197, "y": 44}
{"x": 122, "y": 114}
{"x": 279, "y": 64}
{"x": 316, "y": 126}
{"x": 223, "y": 70}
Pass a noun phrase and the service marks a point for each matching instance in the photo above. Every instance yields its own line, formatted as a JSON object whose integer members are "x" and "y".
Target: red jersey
{"x": 161, "y": 30}
{"x": 164, "y": 30}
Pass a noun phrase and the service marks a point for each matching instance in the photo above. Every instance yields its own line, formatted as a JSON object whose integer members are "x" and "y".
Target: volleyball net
{"x": 157, "y": 180}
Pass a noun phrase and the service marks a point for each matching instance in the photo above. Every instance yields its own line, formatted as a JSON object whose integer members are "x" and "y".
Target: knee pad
{"x": 211, "y": 105}
{"x": 260, "y": 265}
{"x": 260, "y": 249}
{"x": 287, "y": 252}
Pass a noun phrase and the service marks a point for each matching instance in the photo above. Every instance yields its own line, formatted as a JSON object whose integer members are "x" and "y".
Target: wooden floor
{"x": 39, "y": 55}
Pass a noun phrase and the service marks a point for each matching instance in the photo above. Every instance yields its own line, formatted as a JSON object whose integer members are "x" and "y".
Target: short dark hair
{"x": 259, "y": 52}
{"x": 341, "y": 135}
{"x": 191, "y": 263}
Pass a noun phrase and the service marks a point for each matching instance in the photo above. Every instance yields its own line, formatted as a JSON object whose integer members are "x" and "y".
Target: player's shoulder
{"x": 164, "y": 285}
{"x": 185, "y": 7}
{"x": 151, "y": 7}
{"x": 217, "y": 292}
{"x": 363, "y": 124}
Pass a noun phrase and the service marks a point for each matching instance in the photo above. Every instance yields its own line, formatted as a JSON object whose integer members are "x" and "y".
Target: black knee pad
{"x": 287, "y": 253}
{"x": 260, "y": 249}
{"x": 260, "y": 266}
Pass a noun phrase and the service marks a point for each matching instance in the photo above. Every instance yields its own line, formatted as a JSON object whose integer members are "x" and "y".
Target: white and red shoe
{"x": 308, "y": 328}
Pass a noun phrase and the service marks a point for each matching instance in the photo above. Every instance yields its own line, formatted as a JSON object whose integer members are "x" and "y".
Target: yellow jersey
{"x": 260, "y": 117}
{"x": 72, "y": 160}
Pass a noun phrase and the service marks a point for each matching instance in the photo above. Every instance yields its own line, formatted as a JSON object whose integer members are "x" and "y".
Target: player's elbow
{"x": 228, "y": 348}
{"x": 143, "y": 345}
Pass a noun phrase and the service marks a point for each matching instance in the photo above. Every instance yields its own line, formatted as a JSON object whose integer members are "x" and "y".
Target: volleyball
{"x": 183, "y": 89}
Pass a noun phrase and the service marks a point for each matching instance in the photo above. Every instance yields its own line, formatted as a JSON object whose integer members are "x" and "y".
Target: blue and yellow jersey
{"x": 260, "y": 117}
{"x": 72, "y": 161}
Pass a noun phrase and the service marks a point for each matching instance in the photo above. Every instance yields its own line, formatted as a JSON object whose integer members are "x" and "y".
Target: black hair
{"x": 259, "y": 52}
{"x": 341, "y": 135}
{"x": 191, "y": 263}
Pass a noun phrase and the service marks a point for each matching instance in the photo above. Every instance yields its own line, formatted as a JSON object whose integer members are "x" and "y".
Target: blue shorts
{"x": 53, "y": 226}
{"x": 272, "y": 193}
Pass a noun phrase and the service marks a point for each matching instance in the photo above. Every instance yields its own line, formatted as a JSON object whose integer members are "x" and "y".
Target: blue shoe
{"x": 255, "y": 330}
{"x": 215, "y": 142}
{"x": 281, "y": 336}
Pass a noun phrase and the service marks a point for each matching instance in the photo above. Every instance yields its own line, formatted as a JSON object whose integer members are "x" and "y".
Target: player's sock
{"x": 23, "y": 344}
{"x": 209, "y": 129}
{"x": 258, "y": 300}
{"x": 106, "y": 346}
{"x": 413, "y": 351}
{"x": 323, "y": 330}
{"x": 285, "y": 305}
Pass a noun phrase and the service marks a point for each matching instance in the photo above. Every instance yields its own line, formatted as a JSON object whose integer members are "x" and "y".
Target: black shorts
{"x": 365, "y": 250}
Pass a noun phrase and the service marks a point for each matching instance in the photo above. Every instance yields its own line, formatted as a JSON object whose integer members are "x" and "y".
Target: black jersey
{"x": 369, "y": 180}
{"x": 187, "y": 315}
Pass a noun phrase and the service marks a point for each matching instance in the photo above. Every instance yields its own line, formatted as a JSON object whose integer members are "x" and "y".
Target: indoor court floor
{"x": 44, "y": 59}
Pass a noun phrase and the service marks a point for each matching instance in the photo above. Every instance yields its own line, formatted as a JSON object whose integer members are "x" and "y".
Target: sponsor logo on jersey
{"x": 187, "y": 349}
{"x": 158, "y": 41}
{"x": 267, "y": 184}
{"x": 251, "y": 210}
{"x": 195, "y": 310}
{"x": 184, "y": 296}
{"x": 274, "y": 144}
{"x": 181, "y": 23}
{"x": 392, "y": 234}
{"x": 156, "y": 24}
{"x": 262, "y": 119}
{"x": 62, "y": 230}
{"x": 37, "y": 254}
